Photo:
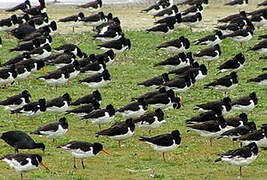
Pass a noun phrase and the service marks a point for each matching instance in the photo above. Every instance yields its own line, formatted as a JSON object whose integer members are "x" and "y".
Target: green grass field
{"x": 194, "y": 159}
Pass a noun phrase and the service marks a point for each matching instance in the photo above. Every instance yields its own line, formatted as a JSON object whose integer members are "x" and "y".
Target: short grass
{"x": 194, "y": 159}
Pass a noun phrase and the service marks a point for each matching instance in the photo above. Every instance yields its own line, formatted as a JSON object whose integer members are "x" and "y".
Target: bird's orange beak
{"x": 43, "y": 164}
{"x": 180, "y": 102}
{"x": 43, "y": 70}
{"x": 105, "y": 151}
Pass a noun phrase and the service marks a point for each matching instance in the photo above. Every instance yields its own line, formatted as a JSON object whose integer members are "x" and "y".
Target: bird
{"x": 209, "y": 129}
{"x": 73, "y": 21}
{"x": 20, "y": 140}
{"x": 28, "y": 46}
{"x": 119, "y": 131}
{"x": 198, "y": 72}
{"x": 177, "y": 45}
{"x": 55, "y": 78}
{"x": 82, "y": 149}
{"x": 157, "y": 7}
{"x": 59, "y": 105}
{"x": 165, "y": 100}
{"x": 16, "y": 59}
{"x": 192, "y": 20}
{"x": 118, "y": 46}
{"x": 236, "y": 121}
{"x": 70, "y": 48}
{"x": 73, "y": 69}
{"x": 53, "y": 130}
{"x": 260, "y": 47}
{"x": 264, "y": 3}
{"x": 237, "y": 3}
{"x": 245, "y": 103}
{"x": 184, "y": 70}
{"x": 111, "y": 33}
{"x": 84, "y": 109}
{"x": 206, "y": 116}
{"x": 32, "y": 109}
{"x": 23, "y": 72}
{"x": 193, "y": 10}
{"x": 225, "y": 83}
{"x": 259, "y": 20}
{"x": 100, "y": 116}
{"x": 234, "y": 64}
{"x": 233, "y": 16}
{"x": 92, "y": 5}
{"x": 241, "y": 156}
{"x": 209, "y": 54}
{"x": 172, "y": 10}
{"x": 37, "y": 10}
{"x": 34, "y": 65}
{"x": 261, "y": 79}
{"x": 151, "y": 120}
{"x": 162, "y": 29}
{"x": 164, "y": 142}
{"x": 225, "y": 104}
{"x": 41, "y": 52}
{"x": 8, "y": 75}
{"x": 175, "y": 62}
{"x": 108, "y": 57}
{"x": 94, "y": 20}
{"x": 210, "y": 40}
{"x": 23, "y": 162}
{"x": 155, "y": 81}
{"x": 16, "y": 101}
{"x": 88, "y": 99}
{"x": 98, "y": 80}
{"x": 62, "y": 60}
{"x": 133, "y": 109}
{"x": 22, "y": 6}
{"x": 8, "y": 23}
{"x": 150, "y": 94}
{"x": 94, "y": 67}
{"x": 166, "y": 22}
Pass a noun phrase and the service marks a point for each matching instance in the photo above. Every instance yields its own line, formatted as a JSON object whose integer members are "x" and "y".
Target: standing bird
{"x": 70, "y": 48}
{"x": 260, "y": 47}
{"x": 162, "y": 29}
{"x": 237, "y": 3}
{"x": 240, "y": 157}
{"x": 7, "y": 76}
{"x": 88, "y": 99}
{"x": 119, "y": 131}
{"x": 260, "y": 79}
{"x": 92, "y": 5}
{"x": 17, "y": 101}
{"x": 118, "y": 46}
{"x": 73, "y": 21}
{"x": 233, "y": 64}
{"x": 37, "y": 10}
{"x": 82, "y": 149}
{"x": 210, "y": 40}
{"x": 22, "y": 6}
{"x": 192, "y": 20}
{"x": 164, "y": 142}
{"x": 23, "y": 162}
{"x": 53, "y": 130}
{"x": 98, "y": 80}
{"x": 84, "y": 109}
{"x": 133, "y": 110}
{"x": 155, "y": 82}
{"x": 193, "y": 10}
{"x": 209, "y": 54}
{"x": 20, "y": 140}
{"x": 177, "y": 45}
{"x": 59, "y": 105}
{"x": 246, "y": 103}
{"x": 225, "y": 83}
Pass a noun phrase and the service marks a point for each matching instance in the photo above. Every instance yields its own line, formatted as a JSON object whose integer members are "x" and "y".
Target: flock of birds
{"x": 34, "y": 32}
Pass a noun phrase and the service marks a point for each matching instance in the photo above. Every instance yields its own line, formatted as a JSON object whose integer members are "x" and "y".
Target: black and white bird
{"x": 184, "y": 70}
{"x": 172, "y": 10}
{"x": 206, "y": 116}
{"x": 162, "y": 29}
{"x": 169, "y": 20}
{"x": 32, "y": 109}
{"x": 165, "y": 100}
{"x": 155, "y": 82}
{"x": 35, "y": 65}
{"x": 28, "y": 46}
{"x": 225, "y": 83}
{"x": 55, "y": 78}
{"x": 37, "y": 10}
{"x": 92, "y": 5}
{"x": 175, "y": 46}
{"x": 209, "y": 54}
{"x": 260, "y": 47}
{"x": 261, "y": 79}
{"x": 100, "y": 116}
{"x": 23, "y": 72}
{"x": 62, "y": 60}
{"x": 88, "y": 99}
{"x": 22, "y": 6}
{"x": 98, "y": 80}
{"x": 157, "y": 7}
{"x": 224, "y": 104}
{"x": 109, "y": 34}
{"x": 16, "y": 101}
{"x": 210, "y": 40}
{"x": 8, "y": 23}
{"x": 237, "y": 3}
{"x": 259, "y": 20}
{"x": 108, "y": 56}
{"x": 236, "y": 121}
{"x": 193, "y": 10}
{"x": 16, "y": 59}
{"x": 71, "y": 48}
{"x": 134, "y": 109}
{"x": 41, "y": 52}
{"x": 84, "y": 109}
{"x": 23, "y": 162}
{"x": 198, "y": 72}
{"x": 151, "y": 120}
{"x": 73, "y": 21}
{"x": 210, "y": 129}
{"x": 53, "y": 130}
{"x": 192, "y": 20}
{"x": 264, "y": 3}
{"x": 234, "y": 64}
{"x": 150, "y": 94}
{"x": 164, "y": 142}
{"x": 94, "y": 68}
{"x": 95, "y": 19}
{"x": 240, "y": 157}
{"x": 230, "y": 18}
{"x": 73, "y": 69}
{"x": 59, "y": 105}
{"x": 118, "y": 46}
{"x": 20, "y": 140}
{"x": 8, "y": 75}
{"x": 82, "y": 150}
{"x": 119, "y": 131}
{"x": 246, "y": 103}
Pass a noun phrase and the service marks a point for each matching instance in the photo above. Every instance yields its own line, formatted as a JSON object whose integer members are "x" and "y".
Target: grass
{"x": 194, "y": 159}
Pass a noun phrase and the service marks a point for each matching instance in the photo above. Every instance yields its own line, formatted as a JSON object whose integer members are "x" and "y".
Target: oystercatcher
{"x": 246, "y": 103}
{"x": 16, "y": 101}
{"x": 260, "y": 47}
{"x": 260, "y": 79}
{"x": 59, "y": 105}
{"x": 134, "y": 109}
{"x": 84, "y": 109}
{"x": 88, "y": 99}
{"x": 233, "y": 64}
{"x": 174, "y": 46}
{"x": 98, "y": 80}
{"x": 210, "y": 40}
{"x": 155, "y": 82}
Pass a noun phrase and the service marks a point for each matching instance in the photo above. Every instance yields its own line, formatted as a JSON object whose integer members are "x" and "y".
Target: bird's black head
{"x": 244, "y": 117}
{"x": 110, "y": 109}
{"x": 175, "y": 8}
{"x": 47, "y": 47}
{"x": 189, "y": 55}
{"x": 217, "y": 47}
{"x": 227, "y": 103}
{"x": 26, "y": 17}
{"x": 111, "y": 54}
{"x": 251, "y": 125}
{"x": 162, "y": 90}
{"x": 200, "y": 7}
{"x": 240, "y": 58}
{"x": 14, "y": 19}
{"x": 165, "y": 77}
{"x": 36, "y": 43}
{"x": 170, "y": 93}
{"x": 186, "y": 43}
{"x": 178, "y": 17}
{"x": 109, "y": 16}
{"x": 177, "y": 103}
{"x": 67, "y": 97}
{"x": 81, "y": 15}
{"x": 205, "y": 1}
{"x": 13, "y": 71}
{"x": 95, "y": 104}
{"x": 106, "y": 75}
{"x": 36, "y": 159}
{"x": 116, "y": 20}
{"x": 160, "y": 114}
{"x": 45, "y": 17}
{"x": 92, "y": 58}
{"x": 130, "y": 124}
{"x": 99, "y": 2}
{"x": 142, "y": 102}
{"x": 195, "y": 64}
{"x": 97, "y": 147}
{"x": 26, "y": 55}
{"x": 199, "y": 16}
{"x": 63, "y": 122}
{"x": 26, "y": 95}
{"x": 39, "y": 146}
{"x": 53, "y": 25}
{"x": 27, "y": 2}
{"x": 97, "y": 95}
{"x": 176, "y": 136}
{"x": 233, "y": 76}
{"x": 182, "y": 56}
{"x": 79, "y": 53}
{"x": 243, "y": 14}
{"x": 253, "y": 96}
{"x": 219, "y": 34}
{"x": 203, "y": 69}
{"x": 253, "y": 147}
{"x": 42, "y": 103}
{"x": 101, "y": 15}
{"x": 76, "y": 65}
